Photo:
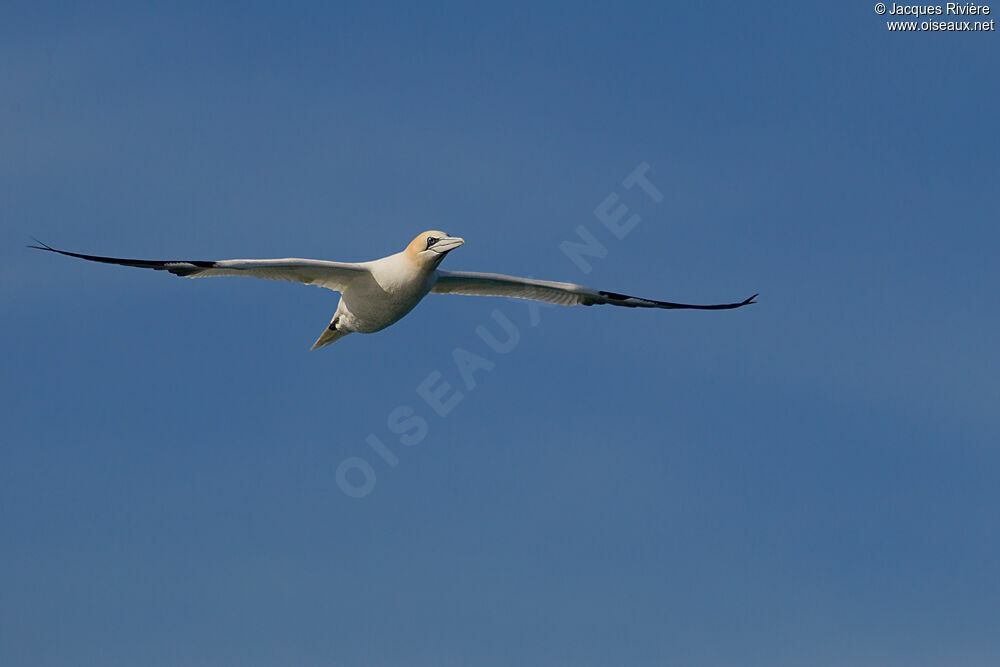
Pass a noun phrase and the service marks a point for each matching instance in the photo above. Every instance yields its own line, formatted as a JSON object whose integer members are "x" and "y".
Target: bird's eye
{"x": 431, "y": 241}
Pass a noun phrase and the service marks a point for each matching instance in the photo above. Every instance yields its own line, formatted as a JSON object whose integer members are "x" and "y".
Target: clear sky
{"x": 811, "y": 480}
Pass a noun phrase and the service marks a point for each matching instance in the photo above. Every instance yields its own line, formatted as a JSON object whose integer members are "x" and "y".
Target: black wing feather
{"x": 178, "y": 267}
{"x": 624, "y": 299}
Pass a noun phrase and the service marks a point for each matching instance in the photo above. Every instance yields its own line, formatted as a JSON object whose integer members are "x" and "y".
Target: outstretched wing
{"x": 331, "y": 275}
{"x": 564, "y": 294}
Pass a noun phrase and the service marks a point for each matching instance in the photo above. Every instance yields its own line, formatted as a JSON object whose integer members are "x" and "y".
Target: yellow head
{"x": 430, "y": 247}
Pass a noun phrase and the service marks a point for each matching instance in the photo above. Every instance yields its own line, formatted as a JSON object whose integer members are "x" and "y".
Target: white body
{"x": 392, "y": 288}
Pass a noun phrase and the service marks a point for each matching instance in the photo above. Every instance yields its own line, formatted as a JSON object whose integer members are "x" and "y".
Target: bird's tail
{"x": 330, "y": 335}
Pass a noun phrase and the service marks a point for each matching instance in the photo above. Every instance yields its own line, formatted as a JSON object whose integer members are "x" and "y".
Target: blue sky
{"x": 808, "y": 481}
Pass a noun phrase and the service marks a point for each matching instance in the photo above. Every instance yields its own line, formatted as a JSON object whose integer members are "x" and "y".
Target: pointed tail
{"x": 330, "y": 335}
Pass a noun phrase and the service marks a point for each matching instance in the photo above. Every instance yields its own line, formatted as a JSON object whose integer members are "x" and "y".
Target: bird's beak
{"x": 447, "y": 244}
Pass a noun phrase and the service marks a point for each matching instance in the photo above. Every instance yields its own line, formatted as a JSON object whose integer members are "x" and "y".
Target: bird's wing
{"x": 564, "y": 294}
{"x": 331, "y": 275}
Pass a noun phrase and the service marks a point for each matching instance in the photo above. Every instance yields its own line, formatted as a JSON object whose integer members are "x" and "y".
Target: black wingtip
{"x": 750, "y": 300}
{"x": 41, "y": 246}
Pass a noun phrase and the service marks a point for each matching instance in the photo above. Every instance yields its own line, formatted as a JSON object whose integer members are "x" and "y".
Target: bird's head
{"x": 430, "y": 247}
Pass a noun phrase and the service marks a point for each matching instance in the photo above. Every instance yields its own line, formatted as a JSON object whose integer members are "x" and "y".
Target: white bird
{"x": 378, "y": 293}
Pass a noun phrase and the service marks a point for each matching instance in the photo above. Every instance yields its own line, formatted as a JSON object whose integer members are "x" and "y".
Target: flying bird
{"x": 376, "y": 294}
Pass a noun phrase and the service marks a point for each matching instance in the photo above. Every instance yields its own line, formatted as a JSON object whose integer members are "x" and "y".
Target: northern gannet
{"x": 378, "y": 293}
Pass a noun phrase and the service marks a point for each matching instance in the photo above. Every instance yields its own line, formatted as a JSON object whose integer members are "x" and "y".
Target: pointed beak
{"x": 447, "y": 244}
